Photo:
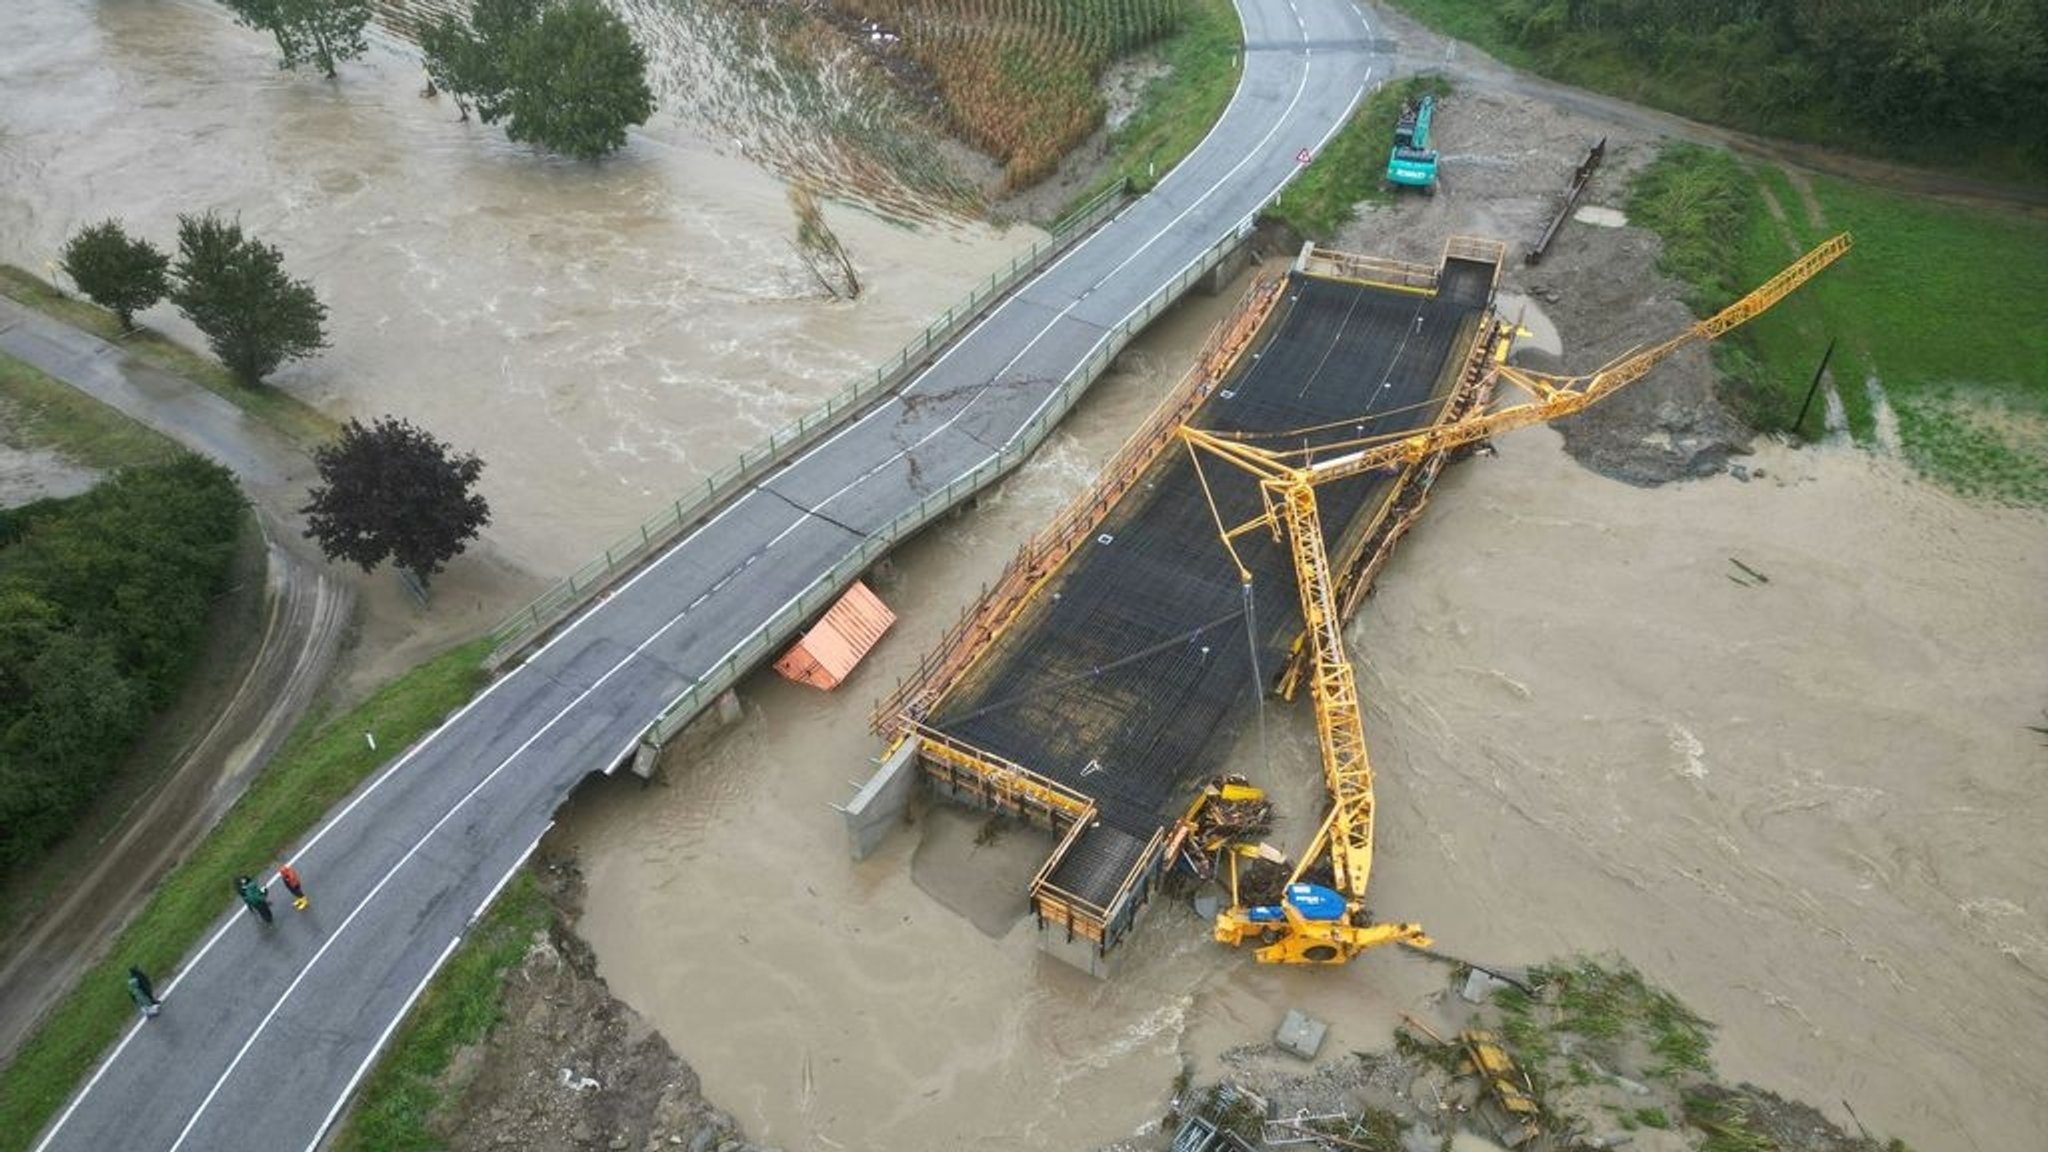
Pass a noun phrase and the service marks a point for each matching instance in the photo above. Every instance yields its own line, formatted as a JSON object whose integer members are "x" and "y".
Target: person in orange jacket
{"x": 290, "y": 876}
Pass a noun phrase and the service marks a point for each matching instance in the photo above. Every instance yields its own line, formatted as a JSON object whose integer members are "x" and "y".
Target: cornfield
{"x": 1018, "y": 77}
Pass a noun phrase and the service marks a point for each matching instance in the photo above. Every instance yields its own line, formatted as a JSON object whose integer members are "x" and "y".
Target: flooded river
{"x": 1810, "y": 806}
{"x": 602, "y": 335}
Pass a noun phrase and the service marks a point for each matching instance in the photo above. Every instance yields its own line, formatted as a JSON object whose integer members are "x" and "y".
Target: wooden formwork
{"x": 996, "y": 784}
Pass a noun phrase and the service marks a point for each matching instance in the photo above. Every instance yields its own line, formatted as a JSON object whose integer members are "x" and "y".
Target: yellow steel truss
{"x": 1288, "y": 496}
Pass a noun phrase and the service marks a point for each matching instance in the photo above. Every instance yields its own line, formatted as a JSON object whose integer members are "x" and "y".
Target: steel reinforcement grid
{"x": 1131, "y": 671}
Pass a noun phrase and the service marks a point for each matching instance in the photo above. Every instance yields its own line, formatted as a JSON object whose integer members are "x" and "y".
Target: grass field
{"x": 1202, "y": 61}
{"x": 1724, "y": 69}
{"x": 1352, "y": 167}
{"x": 42, "y": 412}
{"x": 1940, "y": 304}
{"x": 458, "y": 1009}
{"x": 295, "y": 419}
{"x": 323, "y": 761}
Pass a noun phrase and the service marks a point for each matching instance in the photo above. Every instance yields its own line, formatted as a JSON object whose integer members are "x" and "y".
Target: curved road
{"x": 306, "y": 611}
{"x": 267, "y": 1030}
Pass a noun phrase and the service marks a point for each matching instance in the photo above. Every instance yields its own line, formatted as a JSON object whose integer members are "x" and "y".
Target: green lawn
{"x": 294, "y": 418}
{"x": 1203, "y": 59}
{"x": 1942, "y": 304}
{"x": 324, "y": 760}
{"x": 458, "y": 1009}
{"x": 44, "y": 412}
{"x": 1352, "y": 166}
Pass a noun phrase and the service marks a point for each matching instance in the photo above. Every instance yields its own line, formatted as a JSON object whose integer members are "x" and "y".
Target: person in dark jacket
{"x": 252, "y": 894}
{"x": 143, "y": 995}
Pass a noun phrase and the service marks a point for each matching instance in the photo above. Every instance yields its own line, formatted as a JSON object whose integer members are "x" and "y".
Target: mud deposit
{"x": 570, "y": 1067}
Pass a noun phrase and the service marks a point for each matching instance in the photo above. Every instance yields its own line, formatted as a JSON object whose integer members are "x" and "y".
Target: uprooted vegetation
{"x": 1604, "y": 1058}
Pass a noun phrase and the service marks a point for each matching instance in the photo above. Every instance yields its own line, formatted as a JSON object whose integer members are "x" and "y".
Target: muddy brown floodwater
{"x": 1808, "y": 805}
{"x": 602, "y": 335}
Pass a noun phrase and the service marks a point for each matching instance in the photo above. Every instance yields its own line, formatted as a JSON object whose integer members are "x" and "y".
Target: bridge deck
{"x": 1129, "y": 674}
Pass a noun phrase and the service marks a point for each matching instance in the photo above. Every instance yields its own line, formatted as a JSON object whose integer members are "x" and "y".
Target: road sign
{"x": 1303, "y": 156}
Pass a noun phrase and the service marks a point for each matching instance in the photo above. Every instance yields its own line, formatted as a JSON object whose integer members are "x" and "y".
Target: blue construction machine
{"x": 1412, "y": 163}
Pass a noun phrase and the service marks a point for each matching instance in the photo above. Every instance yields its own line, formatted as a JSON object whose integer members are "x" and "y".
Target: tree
{"x": 819, "y": 248}
{"x": 568, "y": 77}
{"x": 579, "y": 81}
{"x": 392, "y": 491}
{"x": 118, "y": 273}
{"x": 234, "y": 290}
{"x": 319, "y": 31}
{"x": 472, "y": 59}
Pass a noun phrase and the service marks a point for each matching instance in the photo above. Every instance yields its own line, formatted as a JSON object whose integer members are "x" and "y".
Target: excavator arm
{"x": 1317, "y": 925}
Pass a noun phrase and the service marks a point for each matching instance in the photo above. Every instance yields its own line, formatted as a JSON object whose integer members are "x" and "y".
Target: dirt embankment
{"x": 570, "y": 1067}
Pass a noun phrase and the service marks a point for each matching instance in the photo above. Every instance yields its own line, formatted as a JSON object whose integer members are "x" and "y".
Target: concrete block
{"x": 1300, "y": 1034}
{"x": 878, "y": 807}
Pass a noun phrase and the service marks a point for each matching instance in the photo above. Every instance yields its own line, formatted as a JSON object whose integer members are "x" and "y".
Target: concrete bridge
{"x": 281, "y": 1027}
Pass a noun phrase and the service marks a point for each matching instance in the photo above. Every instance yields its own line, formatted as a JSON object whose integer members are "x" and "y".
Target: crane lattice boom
{"x": 1288, "y": 494}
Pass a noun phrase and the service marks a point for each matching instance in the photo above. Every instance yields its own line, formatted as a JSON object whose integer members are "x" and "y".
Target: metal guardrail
{"x": 553, "y": 606}
{"x": 818, "y": 595}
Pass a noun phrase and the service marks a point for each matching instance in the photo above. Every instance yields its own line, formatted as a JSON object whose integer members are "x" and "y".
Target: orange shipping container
{"x": 828, "y": 652}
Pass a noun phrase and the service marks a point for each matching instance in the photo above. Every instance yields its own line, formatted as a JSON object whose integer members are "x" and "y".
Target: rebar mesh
{"x": 1131, "y": 671}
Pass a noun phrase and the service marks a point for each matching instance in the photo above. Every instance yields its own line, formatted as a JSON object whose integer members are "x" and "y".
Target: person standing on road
{"x": 143, "y": 995}
{"x": 290, "y": 876}
{"x": 252, "y": 894}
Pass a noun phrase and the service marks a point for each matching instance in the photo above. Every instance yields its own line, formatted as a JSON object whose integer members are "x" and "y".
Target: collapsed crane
{"x": 1312, "y": 923}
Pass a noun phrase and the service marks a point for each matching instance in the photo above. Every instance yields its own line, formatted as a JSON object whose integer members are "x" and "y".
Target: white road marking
{"x": 383, "y": 1038}
{"x": 341, "y": 929}
{"x": 398, "y": 765}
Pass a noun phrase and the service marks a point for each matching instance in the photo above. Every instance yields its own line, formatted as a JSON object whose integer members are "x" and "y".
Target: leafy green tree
{"x": 234, "y": 289}
{"x": 472, "y": 59}
{"x": 120, "y": 274}
{"x": 579, "y": 81}
{"x": 566, "y": 76}
{"x": 321, "y": 32}
{"x": 393, "y": 491}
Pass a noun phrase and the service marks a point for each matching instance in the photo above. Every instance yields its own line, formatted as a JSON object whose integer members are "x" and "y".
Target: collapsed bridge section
{"x": 1114, "y": 665}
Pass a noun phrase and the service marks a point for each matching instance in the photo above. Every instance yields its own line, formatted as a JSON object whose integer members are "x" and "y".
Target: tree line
{"x": 1929, "y": 81}
{"x": 103, "y": 603}
{"x": 231, "y": 286}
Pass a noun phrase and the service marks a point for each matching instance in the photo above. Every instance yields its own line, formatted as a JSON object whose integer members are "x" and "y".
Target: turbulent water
{"x": 1809, "y": 805}
{"x": 602, "y": 335}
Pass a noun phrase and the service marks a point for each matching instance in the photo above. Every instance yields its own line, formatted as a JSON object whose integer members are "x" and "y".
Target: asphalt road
{"x": 266, "y": 1030}
{"x": 306, "y": 612}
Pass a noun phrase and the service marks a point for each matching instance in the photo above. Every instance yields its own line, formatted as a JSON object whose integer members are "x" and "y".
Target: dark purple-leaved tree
{"x": 391, "y": 491}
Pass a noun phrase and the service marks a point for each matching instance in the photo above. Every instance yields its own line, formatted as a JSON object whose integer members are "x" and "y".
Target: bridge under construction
{"x": 1098, "y": 688}
{"x": 1107, "y": 675}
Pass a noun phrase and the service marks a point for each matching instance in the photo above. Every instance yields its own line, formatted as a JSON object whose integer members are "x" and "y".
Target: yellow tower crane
{"x": 1317, "y": 925}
